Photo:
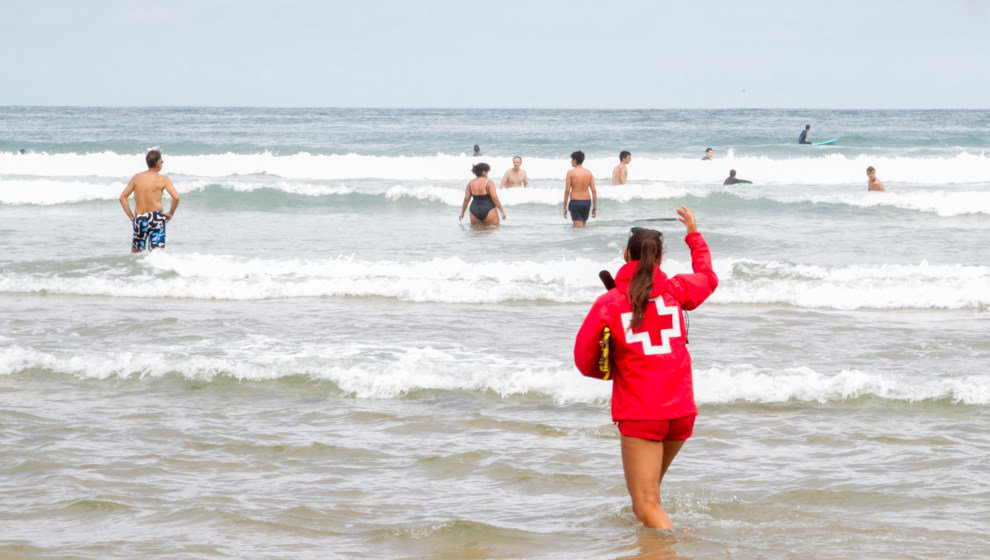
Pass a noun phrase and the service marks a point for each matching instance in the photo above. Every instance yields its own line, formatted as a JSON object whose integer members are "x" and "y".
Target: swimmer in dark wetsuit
{"x": 803, "y": 139}
{"x": 485, "y": 200}
{"x": 732, "y": 180}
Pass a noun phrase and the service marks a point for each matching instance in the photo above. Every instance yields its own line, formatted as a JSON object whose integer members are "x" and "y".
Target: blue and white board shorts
{"x": 149, "y": 231}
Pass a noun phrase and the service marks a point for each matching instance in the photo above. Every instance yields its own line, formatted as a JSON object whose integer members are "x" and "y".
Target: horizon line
{"x": 410, "y": 108}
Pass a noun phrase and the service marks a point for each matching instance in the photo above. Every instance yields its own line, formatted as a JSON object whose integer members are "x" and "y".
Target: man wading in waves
{"x": 515, "y": 176}
{"x": 148, "y": 220}
{"x": 580, "y": 190}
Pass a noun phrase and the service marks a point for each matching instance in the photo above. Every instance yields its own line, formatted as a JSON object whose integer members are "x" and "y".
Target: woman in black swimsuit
{"x": 485, "y": 200}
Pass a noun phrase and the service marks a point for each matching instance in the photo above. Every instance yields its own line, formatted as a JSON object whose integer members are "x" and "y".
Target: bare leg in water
{"x": 645, "y": 462}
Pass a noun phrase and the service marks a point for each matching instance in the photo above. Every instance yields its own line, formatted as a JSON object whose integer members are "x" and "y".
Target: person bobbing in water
{"x": 482, "y": 190}
{"x": 652, "y": 395}
{"x": 873, "y": 184}
{"x": 515, "y": 176}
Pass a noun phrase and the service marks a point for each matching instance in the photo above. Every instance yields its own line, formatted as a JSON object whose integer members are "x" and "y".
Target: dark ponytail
{"x": 645, "y": 246}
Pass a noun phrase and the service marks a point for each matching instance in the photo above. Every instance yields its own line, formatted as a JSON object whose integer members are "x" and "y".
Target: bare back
{"x": 148, "y": 187}
{"x": 482, "y": 187}
{"x": 479, "y": 186}
{"x": 619, "y": 174}
{"x": 580, "y": 181}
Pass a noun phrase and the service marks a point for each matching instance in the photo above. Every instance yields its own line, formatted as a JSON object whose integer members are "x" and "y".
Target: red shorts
{"x": 675, "y": 429}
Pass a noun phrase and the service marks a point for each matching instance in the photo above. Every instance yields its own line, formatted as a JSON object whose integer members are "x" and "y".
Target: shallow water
{"x": 324, "y": 363}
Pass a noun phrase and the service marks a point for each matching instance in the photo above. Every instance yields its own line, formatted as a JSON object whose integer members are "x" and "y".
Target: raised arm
{"x": 692, "y": 289}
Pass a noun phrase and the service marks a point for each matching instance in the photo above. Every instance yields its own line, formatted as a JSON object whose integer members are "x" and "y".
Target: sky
{"x": 831, "y": 54}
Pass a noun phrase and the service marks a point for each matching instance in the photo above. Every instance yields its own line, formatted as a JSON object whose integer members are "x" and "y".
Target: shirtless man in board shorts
{"x": 148, "y": 219}
{"x": 581, "y": 191}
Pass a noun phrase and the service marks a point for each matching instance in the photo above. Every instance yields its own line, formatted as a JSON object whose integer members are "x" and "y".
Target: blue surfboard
{"x": 825, "y": 142}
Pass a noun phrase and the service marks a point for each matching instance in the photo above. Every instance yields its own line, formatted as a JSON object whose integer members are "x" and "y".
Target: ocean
{"x": 325, "y": 363}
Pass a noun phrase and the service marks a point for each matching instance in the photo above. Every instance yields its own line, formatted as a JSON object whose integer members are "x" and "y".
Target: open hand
{"x": 685, "y": 217}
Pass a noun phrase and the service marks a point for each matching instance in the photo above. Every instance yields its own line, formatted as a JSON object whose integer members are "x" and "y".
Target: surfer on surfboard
{"x": 803, "y": 139}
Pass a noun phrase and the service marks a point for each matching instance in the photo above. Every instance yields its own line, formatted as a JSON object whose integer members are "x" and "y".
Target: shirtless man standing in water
{"x": 580, "y": 188}
{"x": 515, "y": 176}
{"x": 620, "y": 172}
{"x": 873, "y": 183}
{"x": 148, "y": 220}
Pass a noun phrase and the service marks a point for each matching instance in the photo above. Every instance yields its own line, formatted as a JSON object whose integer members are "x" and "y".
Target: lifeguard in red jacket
{"x": 652, "y": 392}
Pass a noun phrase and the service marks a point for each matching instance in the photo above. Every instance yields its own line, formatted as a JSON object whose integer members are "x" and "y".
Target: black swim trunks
{"x": 149, "y": 231}
{"x": 481, "y": 205}
{"x": 579, "y": 209}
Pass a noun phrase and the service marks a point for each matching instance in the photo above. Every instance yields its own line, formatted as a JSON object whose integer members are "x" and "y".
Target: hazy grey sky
{"x": 446, "y": 53}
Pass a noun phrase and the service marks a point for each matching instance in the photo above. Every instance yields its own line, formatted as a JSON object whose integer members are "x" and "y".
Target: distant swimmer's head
{"x": 870, "y": 171}
{"x": 477, "y": 149}
{"x": 516, "y": 162}
{"x": 807, "y": 127}
{"x": 153, "y": 158}
{"x": 623, "y": 155}
{"x": 578, "y": 156}
{"x": 480, "y": 169}
{"x": 708, "y": 153}
{"x": 646, "y": 246}
{"x": 732, "y": 173}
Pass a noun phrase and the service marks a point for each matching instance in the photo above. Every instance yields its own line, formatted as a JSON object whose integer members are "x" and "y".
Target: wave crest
{"x": 415, "y": 369}
{"x": 454, "y": 280}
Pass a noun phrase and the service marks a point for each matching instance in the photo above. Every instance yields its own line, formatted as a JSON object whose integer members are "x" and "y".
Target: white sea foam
{"x": 831, "y": 169}
{"x": 949, "y": 202}
{"x": 454, "y": 280}
{"x": 57, "y": 191}
{"x": 450, "y": 280}
{"x": 50, "y": 191}
{"x": 747, "y": 383}
{"x": 853, "y": 287}
{"x": 516, "y": 196}
{"x": 404, "y": 370}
